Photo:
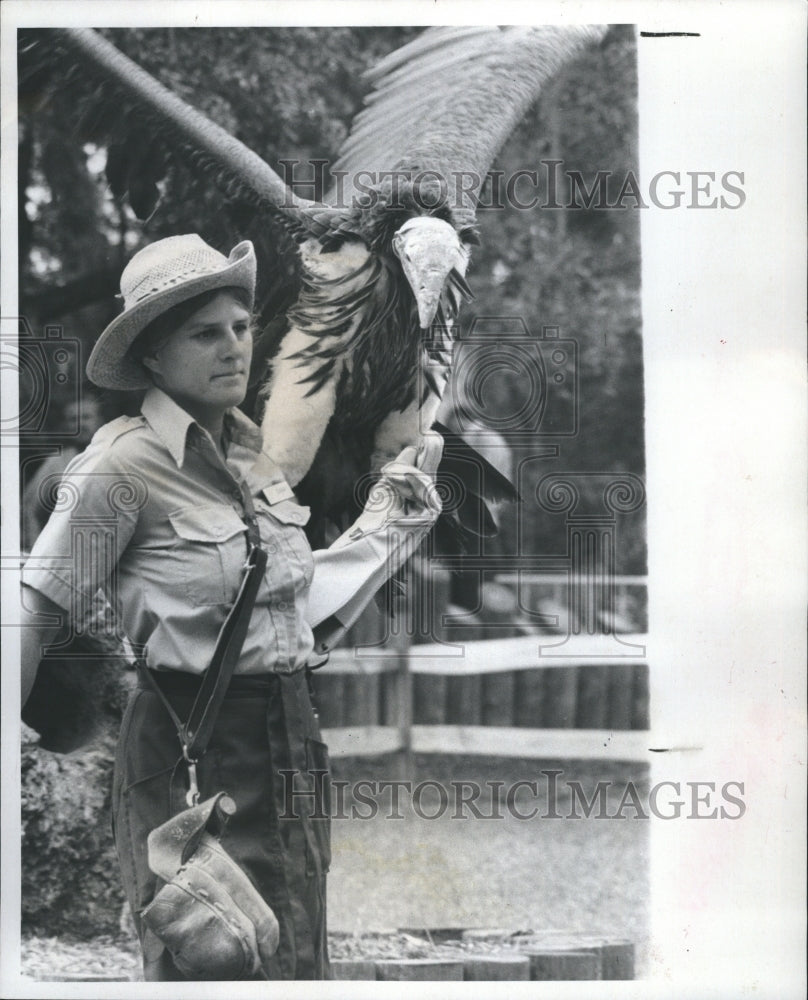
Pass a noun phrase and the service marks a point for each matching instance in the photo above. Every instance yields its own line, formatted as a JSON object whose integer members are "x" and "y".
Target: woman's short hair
{"x": 150, "y": 338}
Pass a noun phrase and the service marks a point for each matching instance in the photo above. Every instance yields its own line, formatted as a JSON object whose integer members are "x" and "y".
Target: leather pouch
{"x": 208, "y": 915}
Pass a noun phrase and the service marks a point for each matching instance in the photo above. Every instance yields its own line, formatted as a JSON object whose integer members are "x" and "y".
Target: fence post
{"x": 404, "y": 685}
{"x": 400, "y": 640}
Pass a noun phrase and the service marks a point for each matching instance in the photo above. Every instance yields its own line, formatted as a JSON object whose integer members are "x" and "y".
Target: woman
{"x": 158, "y": 512}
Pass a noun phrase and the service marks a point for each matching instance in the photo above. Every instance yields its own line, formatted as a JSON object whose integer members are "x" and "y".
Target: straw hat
{"x": 158, "y": 277}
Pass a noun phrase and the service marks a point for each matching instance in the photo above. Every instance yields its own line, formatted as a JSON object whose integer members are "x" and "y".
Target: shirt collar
{"x": 170, "y": 423}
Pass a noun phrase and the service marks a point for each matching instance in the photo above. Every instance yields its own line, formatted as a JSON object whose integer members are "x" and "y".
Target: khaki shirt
{"x": 150, "y": 514}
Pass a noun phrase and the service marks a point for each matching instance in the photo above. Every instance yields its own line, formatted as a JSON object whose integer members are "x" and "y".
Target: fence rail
{"x": 482, "y": 656}
{"x": 468, "y": 680}
{"x": 493, "y": 741}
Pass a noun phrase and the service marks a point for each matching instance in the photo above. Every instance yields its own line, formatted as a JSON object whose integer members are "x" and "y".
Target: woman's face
{"x": 205, "y": 363}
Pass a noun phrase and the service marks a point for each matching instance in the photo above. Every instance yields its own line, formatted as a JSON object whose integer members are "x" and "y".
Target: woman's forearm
{"x": 39, "y": 630}
{"x": 400, "y": 512}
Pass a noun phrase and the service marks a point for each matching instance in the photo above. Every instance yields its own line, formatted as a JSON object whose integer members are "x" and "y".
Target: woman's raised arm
{"x": 400, "y": 512}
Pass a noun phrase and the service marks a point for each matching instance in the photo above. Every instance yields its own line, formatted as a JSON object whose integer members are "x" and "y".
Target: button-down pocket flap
{"x": 289, "y": 512}
{"x": 206, "y": 524}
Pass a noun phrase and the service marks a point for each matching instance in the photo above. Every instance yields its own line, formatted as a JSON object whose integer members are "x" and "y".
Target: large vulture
{"x": 357, "y": 360}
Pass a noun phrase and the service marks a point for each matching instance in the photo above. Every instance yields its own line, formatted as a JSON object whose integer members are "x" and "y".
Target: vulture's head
{"x": 428, "y": 249}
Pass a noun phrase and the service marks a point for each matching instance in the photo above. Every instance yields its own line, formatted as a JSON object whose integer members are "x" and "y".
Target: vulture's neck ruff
{"x": 371, "y": 315}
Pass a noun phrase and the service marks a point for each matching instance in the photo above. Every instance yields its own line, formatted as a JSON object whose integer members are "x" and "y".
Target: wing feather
{"x": 447, "y": 101}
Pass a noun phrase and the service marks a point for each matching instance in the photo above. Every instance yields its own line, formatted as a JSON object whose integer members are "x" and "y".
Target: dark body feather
{"x": 387, "y": 344}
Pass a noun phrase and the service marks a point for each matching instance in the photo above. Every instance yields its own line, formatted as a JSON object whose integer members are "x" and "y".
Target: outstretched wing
{"x": 148, "y": 132}
{"x": 447, "y": 101}
{"x": 147, "y": 128}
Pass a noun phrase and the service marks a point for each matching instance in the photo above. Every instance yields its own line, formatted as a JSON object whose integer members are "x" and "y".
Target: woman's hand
{"x": 405, "y": 494}
{"x": 411, "y": 474}
{"x": 402, "y": 507}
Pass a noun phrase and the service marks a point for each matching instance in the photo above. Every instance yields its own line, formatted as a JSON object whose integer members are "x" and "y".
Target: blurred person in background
{"x": 40, "y": 490}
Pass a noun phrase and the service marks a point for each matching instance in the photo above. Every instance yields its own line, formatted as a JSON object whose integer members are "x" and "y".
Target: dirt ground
{"x": 585, "y": 875}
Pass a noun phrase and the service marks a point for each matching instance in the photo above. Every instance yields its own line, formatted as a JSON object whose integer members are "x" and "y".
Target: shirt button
{"x": 272, "y": 549}
{"x": 282, "y": 605}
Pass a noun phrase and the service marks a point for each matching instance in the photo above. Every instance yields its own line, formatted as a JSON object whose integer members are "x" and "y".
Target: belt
{"x": 241, "y": 685}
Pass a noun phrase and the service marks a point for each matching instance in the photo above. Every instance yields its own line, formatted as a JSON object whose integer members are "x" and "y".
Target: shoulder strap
{"x": 198, "y": 729}
{"x": 195, "y": 734}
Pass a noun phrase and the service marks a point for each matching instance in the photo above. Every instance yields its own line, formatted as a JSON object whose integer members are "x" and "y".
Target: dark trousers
{"x": 266, "y": 753}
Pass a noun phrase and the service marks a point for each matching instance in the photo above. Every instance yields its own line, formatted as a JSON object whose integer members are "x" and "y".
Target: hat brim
{"x": 110, "y": 365}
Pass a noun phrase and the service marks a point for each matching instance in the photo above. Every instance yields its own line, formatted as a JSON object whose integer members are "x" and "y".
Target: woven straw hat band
{"x": 154, "y": 268}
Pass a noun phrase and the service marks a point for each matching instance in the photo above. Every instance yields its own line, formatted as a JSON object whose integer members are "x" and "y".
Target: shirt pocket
{"x": 281, "y": 525}
{"x": 209, "y": 553}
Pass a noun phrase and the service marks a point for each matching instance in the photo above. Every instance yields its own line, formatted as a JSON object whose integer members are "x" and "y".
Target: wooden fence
{"x": 572, "y": 687}
{"x": 499, "y": 697}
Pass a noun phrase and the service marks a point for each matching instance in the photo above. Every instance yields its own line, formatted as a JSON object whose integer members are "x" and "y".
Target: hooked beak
{"x": 428, "y": 249}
